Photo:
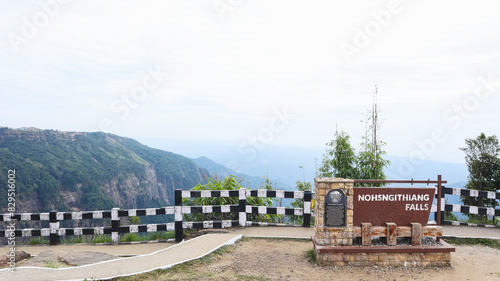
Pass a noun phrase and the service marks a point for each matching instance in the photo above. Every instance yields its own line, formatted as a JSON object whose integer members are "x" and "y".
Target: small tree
{"x": 339, "y": 159}
{"x": 483, "y": 163}
{"x": 370, "y": 163}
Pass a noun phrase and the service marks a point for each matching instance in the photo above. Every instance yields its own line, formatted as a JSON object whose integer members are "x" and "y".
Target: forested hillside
{"x": 70, "y": 171}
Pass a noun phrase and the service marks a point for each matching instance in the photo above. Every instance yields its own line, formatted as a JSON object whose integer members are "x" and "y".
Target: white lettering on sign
{"x": 416, "y": 207}
{"x": 393, "y": 197}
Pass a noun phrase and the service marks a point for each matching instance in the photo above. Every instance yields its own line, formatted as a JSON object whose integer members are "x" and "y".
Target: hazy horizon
{"x": 255, "y": 74}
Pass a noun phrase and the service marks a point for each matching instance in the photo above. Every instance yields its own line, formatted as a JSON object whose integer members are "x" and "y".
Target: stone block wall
{"x": 385, "y": 259}
{"x": 333, "y": 236}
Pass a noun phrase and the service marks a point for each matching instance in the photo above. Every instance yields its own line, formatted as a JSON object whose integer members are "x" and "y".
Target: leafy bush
{"x": 299, "y": 203}
{"x": 229, "y": 183}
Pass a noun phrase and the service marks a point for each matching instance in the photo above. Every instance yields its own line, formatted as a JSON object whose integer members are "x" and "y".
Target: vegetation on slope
{"x": 89, "y": 171}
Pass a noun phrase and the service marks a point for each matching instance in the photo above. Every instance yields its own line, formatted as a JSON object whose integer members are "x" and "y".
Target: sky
{"x": 255, "y": 73}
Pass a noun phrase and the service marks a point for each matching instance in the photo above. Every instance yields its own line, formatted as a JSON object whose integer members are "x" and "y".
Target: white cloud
{"x": 227, "y": 76}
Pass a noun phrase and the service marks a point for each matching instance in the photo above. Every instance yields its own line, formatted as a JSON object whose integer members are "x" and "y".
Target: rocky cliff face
{"x": 135, "y": 192}
{"x": 71, "y": 171}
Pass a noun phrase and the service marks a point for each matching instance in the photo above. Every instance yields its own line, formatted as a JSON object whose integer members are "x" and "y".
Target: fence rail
{"x": 464, "y": 209}
{"x": 54, "y": 231}
{"x": 242, "y": 208}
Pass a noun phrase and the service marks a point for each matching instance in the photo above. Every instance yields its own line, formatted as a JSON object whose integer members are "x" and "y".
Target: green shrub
{"x": 131, "y": 237}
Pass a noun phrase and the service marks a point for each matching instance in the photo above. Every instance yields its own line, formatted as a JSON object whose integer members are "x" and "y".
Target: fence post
{"x": 439, "y": 195}
{"x": 115, "y": 226}
{"x": 307, "y": 208}
{"x": 54, "y": 228}
{"x": 243, "y": 206}
{"x": 179, "y": 232}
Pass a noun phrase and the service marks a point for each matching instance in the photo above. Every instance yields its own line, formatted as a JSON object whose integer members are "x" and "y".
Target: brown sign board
{"x": 401, "y": 205}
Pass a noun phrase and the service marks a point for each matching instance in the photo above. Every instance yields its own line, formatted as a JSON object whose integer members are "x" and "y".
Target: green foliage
{"x": 299, "y": 203}
{"x": 51, "y": 264}
{"x": 228, "y": 183}
{"x": 101, "y": 239}
{"x": 134, "y": 220}
{"x": 269, "y": 185}
{"x": 483, "y": 163}
{"x": 311, "y": 256}
{"x": 38, "y": 241}
{"x": 370, "y": 164}
{"x": 449, "y": 216}
{"x": 339, "y": 159}
{"x": 475, "y": 241}
{"x": 50, "y": 162}
{"x": 94, "y": 198}
{"x": 130, "y": 237}
{"x": 162, "y": 235}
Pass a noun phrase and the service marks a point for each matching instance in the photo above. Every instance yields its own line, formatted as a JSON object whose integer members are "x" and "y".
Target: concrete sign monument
{"x": 349, "y": 218}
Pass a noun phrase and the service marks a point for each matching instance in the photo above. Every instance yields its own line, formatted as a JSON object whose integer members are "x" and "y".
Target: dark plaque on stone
{"x": 335, "y": 208}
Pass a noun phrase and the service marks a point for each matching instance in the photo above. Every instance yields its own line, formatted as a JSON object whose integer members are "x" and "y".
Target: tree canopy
{"x": 483, "y": 164}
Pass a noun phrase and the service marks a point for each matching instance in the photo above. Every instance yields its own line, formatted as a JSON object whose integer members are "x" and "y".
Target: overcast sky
{"x": 255, "y": 72}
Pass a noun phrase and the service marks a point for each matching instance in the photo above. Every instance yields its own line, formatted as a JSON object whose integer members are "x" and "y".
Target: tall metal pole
{"x": 439, "y": 194}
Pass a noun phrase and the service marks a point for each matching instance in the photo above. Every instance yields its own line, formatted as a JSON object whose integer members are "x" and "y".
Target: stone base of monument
{"x": 404, "y": 256}
{"x": 338, "y": 242}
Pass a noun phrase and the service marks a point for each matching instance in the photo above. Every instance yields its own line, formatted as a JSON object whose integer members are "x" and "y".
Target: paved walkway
{"x": 163, "y": 255}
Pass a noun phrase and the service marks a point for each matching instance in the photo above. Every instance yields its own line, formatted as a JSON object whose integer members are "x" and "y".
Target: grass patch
{"x": 251, "y": 278}
{"x": 51, "y": 264}
{"x": 311, "y": 256}
{"x": 246, "y": 239}
{"x": 162, "y": 235}
{"x": 38, "y": 241}
{"x": 475, "y": 241}
{"x": 82, "y": 239}
{"x": 131, "y": 237}
{"x": 101, "y": 239}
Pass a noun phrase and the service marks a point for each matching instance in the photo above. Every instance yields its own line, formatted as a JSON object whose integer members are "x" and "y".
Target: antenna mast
{"x": 374, "y": 126}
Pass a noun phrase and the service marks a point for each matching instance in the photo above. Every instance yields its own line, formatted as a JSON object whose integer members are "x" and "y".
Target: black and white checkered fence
{"x": 180, "y": 210}
{"x": 55, "y": 231}
{"x": 264, "y": 193}
{"x": 456, "y": 208}
{"x": 242, "y": 208}
{"x": 471, "y": 193}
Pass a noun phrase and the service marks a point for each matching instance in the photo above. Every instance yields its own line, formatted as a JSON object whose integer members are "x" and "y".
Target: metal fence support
{"x": 179, "y": 233}
{"x": 440, "y": 195}
{"x": 243, "y": 206}
{"x": 307, "y": 209}
{"x": 115, "y": 226}
{"x": 54, "y": 228}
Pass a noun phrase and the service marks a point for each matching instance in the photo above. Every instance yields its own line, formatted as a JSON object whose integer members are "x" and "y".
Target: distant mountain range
{"x": 282, "y": 163}
{"x": 91, "y": 171}
{"x": 71, "y": 171}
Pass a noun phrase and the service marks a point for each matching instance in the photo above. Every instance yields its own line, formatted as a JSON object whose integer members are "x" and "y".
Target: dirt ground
{"x": 259, "y": 259}
{"x": 271, "y": 259}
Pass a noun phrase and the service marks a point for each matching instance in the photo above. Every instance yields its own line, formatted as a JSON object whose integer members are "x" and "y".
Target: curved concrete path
{"x": 163, "y": 255}
{"x": 179, "y": 253}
